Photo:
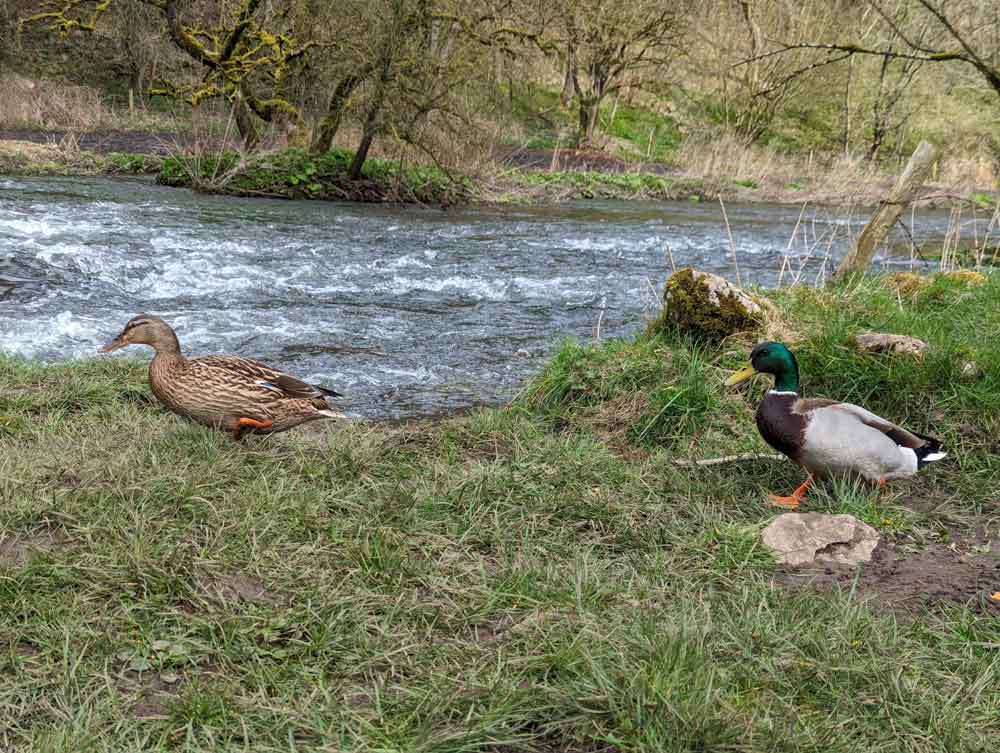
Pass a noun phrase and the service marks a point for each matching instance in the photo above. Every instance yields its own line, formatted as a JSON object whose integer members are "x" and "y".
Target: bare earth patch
{"x": 964, "y": 572}
{"x": 105, "y": 142}
{"x": 18, "y": 550}
{"x": 26, "y": 650}
{"x": 154, "y": 693}
{"x": 229, "y": 588}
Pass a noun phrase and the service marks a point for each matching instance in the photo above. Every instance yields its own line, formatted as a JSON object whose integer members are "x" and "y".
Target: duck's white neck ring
{"x": 782, "y": 392}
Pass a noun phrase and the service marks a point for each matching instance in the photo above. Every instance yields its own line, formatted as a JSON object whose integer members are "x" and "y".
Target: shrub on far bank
{"x": 295, "y": 174}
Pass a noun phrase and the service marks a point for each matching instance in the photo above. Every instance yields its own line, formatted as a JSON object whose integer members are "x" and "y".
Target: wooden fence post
{"x": 889, "y": 210}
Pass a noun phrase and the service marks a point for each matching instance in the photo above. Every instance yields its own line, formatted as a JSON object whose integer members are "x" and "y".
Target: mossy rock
{"x": 706, "y": 306}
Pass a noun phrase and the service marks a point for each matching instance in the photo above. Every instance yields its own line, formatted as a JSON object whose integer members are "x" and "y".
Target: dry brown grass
{"x": 969, "y": 171}
{"x": 25, "y": 156}
{"x": 49, "y": 104}
{"x": 780, "y": 176}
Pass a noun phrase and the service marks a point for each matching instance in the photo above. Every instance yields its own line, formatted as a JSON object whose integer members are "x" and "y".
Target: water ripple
{"x": 404, "y": 310}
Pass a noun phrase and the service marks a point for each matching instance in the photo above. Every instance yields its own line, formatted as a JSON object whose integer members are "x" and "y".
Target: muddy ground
{"x": 964, "y": 571}
{"x": 106, "y": 142}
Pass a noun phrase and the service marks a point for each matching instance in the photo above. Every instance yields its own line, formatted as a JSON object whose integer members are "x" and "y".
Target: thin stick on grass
{"x": 742, "y": 457}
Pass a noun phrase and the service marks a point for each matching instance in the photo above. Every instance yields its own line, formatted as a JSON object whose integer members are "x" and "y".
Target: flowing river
{"x": 406, "y": 310}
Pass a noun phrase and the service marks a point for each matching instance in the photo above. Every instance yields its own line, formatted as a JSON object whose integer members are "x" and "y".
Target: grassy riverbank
{"x": 540, "y": 576}
{"x": 66, "y": 158}
{"x": 296, "y": 174}
{"x": 293, "y": 173}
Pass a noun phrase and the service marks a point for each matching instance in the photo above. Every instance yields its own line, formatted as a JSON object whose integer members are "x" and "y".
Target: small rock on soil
{"x": 816, "y": 538}
{"x": 880, "y": 342}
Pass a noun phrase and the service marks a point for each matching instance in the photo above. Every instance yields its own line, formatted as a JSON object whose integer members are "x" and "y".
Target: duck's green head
{"x": 771, "y": 358}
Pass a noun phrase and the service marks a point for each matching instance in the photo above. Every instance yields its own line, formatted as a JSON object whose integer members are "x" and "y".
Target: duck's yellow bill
{"x": 741, "y": 376}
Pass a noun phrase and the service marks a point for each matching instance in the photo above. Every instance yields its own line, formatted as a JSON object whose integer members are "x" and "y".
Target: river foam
{"x": 404, "y": 310}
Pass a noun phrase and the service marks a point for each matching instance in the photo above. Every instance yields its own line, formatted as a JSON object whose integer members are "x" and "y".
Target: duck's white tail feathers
{"x": 930, "y": 452}
{"x": 327, "y": 413}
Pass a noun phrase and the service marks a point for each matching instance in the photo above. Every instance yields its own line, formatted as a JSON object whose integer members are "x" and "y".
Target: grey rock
{"x": 817, "y": 538}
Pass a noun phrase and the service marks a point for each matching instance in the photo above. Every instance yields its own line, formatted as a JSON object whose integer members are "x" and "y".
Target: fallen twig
{"x": 732, "y": 459}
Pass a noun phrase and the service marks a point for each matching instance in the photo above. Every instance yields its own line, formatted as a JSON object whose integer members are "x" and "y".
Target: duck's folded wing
{"x": 897, "y": 434}
{"x": 216, "y": 376}
{"x": 268, "y": 377}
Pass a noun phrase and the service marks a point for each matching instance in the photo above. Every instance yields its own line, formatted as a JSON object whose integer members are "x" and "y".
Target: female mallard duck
{"x": 825, "y": 437}
{"x": 227, "y": 392}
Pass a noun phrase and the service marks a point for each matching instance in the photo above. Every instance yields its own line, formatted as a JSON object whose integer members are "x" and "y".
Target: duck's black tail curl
{"x": 929, "y": 452}
{"x": 325, "y": 391}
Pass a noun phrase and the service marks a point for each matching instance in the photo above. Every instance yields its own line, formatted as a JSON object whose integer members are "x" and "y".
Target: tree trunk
{"x": 370, "y": 125}
{"x": 756, "y": 43}
{"x": 847, "y": 107}
{"x": 245, "y": 123}
{"x": 569, "y": 80}
{"x": 362, "y": 154}
{"x": 880, "y": 114}
{"x": 589, "y": 108}
{"x": 889, "y": 210}
{"x": 879, "y": 129}
{"x": 323, "y": 141}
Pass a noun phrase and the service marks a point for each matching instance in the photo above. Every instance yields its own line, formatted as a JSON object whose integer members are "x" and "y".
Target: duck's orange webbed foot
{"x": 795, "y": 498}
{"x": 243, "y": 423}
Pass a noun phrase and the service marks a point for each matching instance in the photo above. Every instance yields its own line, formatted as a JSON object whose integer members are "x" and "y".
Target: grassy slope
{"x": 637, "y": 132}
{"x": 538, "y": 576}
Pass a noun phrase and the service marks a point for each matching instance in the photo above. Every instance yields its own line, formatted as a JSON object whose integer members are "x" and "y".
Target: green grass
{"x": 568, "y": 184}
{"x": 537, "y": 577}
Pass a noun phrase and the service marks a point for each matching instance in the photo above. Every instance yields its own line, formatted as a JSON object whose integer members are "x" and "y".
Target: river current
{"x": 406, "y": 310}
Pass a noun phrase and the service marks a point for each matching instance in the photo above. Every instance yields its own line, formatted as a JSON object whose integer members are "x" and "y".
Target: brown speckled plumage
{"x": 226, "y": 392}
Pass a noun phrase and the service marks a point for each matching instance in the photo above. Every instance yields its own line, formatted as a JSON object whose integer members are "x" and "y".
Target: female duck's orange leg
{"x": 796, "y": 496}
{"x": 243, "y": 423}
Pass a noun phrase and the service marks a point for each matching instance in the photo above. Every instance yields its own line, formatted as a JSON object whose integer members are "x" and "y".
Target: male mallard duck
{"x": 825, "y": 437}
{"x": 227, "y": 392}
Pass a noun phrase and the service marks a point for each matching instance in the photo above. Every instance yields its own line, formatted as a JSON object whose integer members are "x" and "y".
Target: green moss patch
{"x": 692, "y": 305}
